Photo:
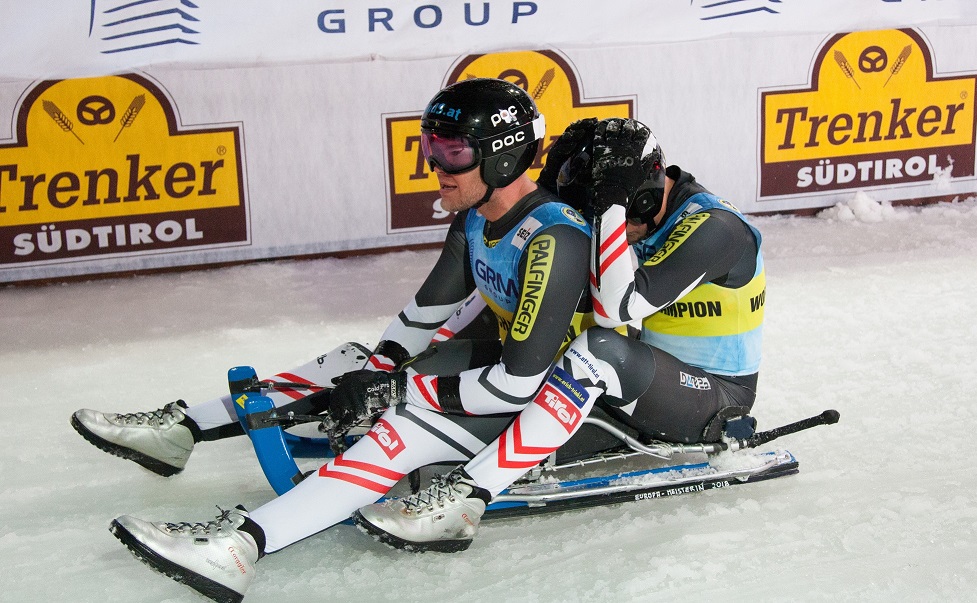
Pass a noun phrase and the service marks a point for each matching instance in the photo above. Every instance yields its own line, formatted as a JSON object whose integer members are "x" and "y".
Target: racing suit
{"x": 530, "y": 267}
{"x": 699, "y": 294}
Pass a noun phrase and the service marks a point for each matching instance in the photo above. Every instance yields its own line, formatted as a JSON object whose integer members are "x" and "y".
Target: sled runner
{"x": 626, "y": 469}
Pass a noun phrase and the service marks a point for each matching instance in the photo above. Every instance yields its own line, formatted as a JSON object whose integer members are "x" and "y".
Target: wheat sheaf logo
{"x": 875, "y": 115}
{"x": 546, "y": 75}
{"x": 101, "y": 167}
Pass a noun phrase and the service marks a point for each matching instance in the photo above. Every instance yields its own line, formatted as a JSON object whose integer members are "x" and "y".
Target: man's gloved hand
{"x": 360, "y": 395}
{"x": 571, "y": 142}
{"x": 618, "y": 172}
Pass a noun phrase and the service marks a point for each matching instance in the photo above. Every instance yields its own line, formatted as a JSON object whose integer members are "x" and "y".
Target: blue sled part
{"x": 275, "y": 448}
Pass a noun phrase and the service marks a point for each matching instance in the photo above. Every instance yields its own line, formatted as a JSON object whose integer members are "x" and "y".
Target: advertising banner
{"x": 146, "y": 169}
{"x": 101, "y": 167}
{"x": 102, "y": 37}
{"x": 875, "y": 114}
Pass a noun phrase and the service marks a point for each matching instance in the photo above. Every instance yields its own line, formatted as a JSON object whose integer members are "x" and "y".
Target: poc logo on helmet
{"x": 617, "y": 161}
{"x": 509, "y": 141}
{"x": 505, "y": 115}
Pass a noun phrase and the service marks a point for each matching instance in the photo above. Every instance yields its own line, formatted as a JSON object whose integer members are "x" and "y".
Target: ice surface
{"x": 870, "y": 310}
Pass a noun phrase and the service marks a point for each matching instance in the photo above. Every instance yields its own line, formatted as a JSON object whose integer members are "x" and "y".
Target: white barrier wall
{"x": 226, "y": 145}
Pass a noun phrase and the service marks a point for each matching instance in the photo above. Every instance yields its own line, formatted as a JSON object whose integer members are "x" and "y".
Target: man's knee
{"x": 632, "y": 361}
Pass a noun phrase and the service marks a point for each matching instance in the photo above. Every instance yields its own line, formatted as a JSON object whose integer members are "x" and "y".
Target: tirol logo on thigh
{"x": 563, "y": 398}
{"x": 386, "y": 436}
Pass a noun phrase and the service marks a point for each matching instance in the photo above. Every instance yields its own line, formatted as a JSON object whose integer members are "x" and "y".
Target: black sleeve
{"x": 450, "y": 281}
{"x": 560, "y": 255}
{"x": 722, "y": 249}
{"x": 445, "y": 288}
{"x": 554, "y": 274}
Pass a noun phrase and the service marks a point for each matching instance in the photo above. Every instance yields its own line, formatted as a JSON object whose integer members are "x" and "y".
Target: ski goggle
{"x": 453, "y": 153}
{"x": 576, "y": 169}
{"x": 647, "y": 200}
{"x": 457, "y": 153}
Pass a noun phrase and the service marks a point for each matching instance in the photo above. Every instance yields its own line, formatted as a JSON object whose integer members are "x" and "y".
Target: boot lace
{"x": 205, "y": 527}
{"x": 155, "y": 417}
{"x": 441, "y": 488}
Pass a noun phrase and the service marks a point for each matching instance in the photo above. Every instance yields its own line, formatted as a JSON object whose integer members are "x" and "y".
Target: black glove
{"x": 618, "y": 172}
{"x": 571, "y": 142}
{"x": 360, "y": 395}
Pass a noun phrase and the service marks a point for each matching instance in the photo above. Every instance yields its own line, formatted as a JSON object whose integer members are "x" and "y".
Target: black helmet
{"x": 575, "y": 179}
{"x": 482, "y": 122}
{"x": 647, "y": 200}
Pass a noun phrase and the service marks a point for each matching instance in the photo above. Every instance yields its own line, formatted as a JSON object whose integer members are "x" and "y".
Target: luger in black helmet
{"x": 575, "y": 179}
{"x": 648, "y": 199}
{"x": 482, "y": 122}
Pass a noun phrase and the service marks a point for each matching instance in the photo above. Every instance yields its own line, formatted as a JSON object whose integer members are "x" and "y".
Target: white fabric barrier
{"x": 177, "y": 166}
{"x": 52, "y": 38}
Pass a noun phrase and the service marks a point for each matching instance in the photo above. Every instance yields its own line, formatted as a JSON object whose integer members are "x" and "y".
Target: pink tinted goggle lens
{"x": 453, "y": 154}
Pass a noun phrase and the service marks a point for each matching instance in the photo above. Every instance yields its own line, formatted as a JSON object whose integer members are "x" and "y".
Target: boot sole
{"x": 435, "y": 546}
{"x": 205, "y": 586}
{"x": 156, "y": 466}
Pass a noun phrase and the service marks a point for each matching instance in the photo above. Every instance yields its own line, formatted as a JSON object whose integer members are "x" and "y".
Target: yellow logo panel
{"x": 545, "y": 75}
{"x": 679, "y": 234}
{"x": 540, "y": 253}
{"x": 100, "y": 166}
{"x": 874, "y": 115}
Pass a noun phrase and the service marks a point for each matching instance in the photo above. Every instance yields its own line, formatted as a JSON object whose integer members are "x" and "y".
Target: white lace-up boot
{"x": 160, "y": 440}
{"x": 216, "y": 558}
{"x": 442, "y": 518}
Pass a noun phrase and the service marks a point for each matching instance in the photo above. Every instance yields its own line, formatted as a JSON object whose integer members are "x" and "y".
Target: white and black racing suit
{"x": 530, "y": 267}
